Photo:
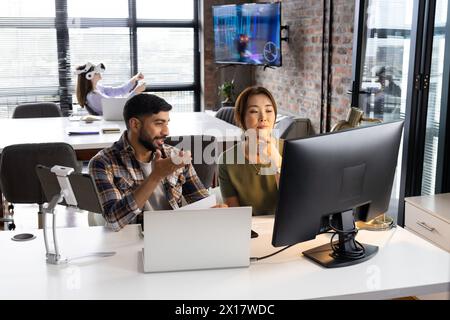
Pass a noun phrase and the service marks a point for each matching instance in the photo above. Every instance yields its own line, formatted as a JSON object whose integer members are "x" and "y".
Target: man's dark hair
{"x": 144, "y": 105}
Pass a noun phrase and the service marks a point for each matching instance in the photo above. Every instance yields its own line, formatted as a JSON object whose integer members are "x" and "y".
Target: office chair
{"x": 355, "y": 118}
{"x": 226, "y": 114}
{"x": 91, "y": 111}
{"x": 199, "y": 146}
{"x": 18, "y": 180}
{"x": 37, "y": 110}
{"x": 293, "y": 128}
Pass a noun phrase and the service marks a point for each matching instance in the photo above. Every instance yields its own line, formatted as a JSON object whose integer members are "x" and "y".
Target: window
{"x": 165, "y": 10}
{"x": 27, "y": 8}
{"x": 95, "y": 45}
{"x": 166, "y": 55}
{"x": 28, "y": 58}
{"x": 153, "y": 37}
{"x": 434, "y": 100}
{"x": 181, "y": 101}
{"x": 98, "y": 8}
{"x": 384, "y": 72}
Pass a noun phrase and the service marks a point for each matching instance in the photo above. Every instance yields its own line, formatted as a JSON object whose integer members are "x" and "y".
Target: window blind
{"x": 433, "y": 117}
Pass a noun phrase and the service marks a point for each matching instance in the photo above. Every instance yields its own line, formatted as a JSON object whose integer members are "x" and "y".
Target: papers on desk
{"x": 86, "y": 118}
{"x": 111, "y": 129}
{"x": 205, "y": 203}
{"x": 82, "y": 131}
{"x": 91, "y": 129}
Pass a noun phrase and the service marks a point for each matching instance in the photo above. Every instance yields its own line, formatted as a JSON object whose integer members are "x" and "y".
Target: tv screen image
{"x": 248, "y": 33}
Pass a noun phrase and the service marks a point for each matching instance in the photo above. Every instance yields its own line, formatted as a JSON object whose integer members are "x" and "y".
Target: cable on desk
{"x": 254, "y": 259}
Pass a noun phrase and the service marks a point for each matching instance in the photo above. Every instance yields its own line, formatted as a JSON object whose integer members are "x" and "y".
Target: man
{"x": 139, "y": 171}
{"x": 384, "y": 95}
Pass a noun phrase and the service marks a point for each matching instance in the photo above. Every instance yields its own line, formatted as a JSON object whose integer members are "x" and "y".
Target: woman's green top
{"x": 239, "y": 178}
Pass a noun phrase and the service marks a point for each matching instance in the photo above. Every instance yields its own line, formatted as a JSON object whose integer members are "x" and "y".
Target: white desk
{"x": 405, "y": 265}
{"x": 38, "y": 130}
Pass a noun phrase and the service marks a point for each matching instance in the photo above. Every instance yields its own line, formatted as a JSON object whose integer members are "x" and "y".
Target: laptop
{"x": 113, "y": 108}
{"x": 196, "y": 239}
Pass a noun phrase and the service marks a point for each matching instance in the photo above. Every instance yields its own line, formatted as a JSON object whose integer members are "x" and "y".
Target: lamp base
{"x": 381, "y": 223}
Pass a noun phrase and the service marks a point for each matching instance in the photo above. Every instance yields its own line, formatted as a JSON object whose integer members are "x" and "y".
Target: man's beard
{"x": 149, "y": 143}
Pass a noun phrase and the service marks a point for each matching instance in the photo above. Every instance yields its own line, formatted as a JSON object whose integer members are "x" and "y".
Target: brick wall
{"x": 342, "y": 42}
{"x": 297, "y": 84}
{"x": 209, "y": 76}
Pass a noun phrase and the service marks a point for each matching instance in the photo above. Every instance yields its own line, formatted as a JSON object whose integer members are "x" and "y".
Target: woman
{"x": 90, "y": 92}
{"x": 249, "y": 171}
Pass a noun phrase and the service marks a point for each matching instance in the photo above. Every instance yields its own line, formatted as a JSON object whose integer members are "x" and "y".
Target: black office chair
{"x": 37, "y": 110}
{"x": 200, "y": 146}
{"x": 226, "y": 114}
{"x": 18, "y": 180}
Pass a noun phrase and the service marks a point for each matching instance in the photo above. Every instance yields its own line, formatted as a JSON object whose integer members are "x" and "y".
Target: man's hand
{"x": 164, "y": 167}
{"x": 181, "y": 157}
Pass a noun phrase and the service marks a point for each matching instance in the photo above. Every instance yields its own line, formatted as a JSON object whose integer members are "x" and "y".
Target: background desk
{"x": 38, "y": 130}
{"x": 405, "y": 265}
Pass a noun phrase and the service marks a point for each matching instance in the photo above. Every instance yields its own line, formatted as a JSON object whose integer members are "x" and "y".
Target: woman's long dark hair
{"x": 84, "y": 86}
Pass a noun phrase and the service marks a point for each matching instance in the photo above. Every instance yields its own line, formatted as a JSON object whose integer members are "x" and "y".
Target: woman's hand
{"x": 262, "y": 147}
{"x": 139, "y": 88}
{"x": 137, "y": 77}
{"x": 268, "y": 148}
{"x": 272, "y": 153}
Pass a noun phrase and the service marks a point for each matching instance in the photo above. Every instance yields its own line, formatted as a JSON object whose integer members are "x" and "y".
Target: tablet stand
{"x": 53, "y": 255}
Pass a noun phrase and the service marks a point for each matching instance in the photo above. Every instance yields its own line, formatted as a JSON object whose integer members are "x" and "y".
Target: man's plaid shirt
{"x": 117, "y": 173}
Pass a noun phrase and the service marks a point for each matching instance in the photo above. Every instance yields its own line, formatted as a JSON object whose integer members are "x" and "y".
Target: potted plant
{"x": 226, "y": 90}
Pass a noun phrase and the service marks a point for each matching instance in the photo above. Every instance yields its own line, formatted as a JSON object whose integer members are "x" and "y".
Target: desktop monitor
{"x": 329, "y": 181}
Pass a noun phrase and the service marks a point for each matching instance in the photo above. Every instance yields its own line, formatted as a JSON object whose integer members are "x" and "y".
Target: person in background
{"x": 385, "y": 93}
{"x": 139, "y": 172}
{"x": 90, "y": 92}
{"x": 249, "y": 171}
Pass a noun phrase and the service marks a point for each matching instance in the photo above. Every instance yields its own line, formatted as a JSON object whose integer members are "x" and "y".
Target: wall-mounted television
{"x": 248, "y": 34}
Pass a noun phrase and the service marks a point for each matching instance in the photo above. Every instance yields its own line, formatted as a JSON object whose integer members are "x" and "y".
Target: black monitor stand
{"x": 346, "y": 251}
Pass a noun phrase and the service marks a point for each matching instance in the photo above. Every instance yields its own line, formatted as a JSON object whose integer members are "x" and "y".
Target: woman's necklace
{"x": 258, "y": 170}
